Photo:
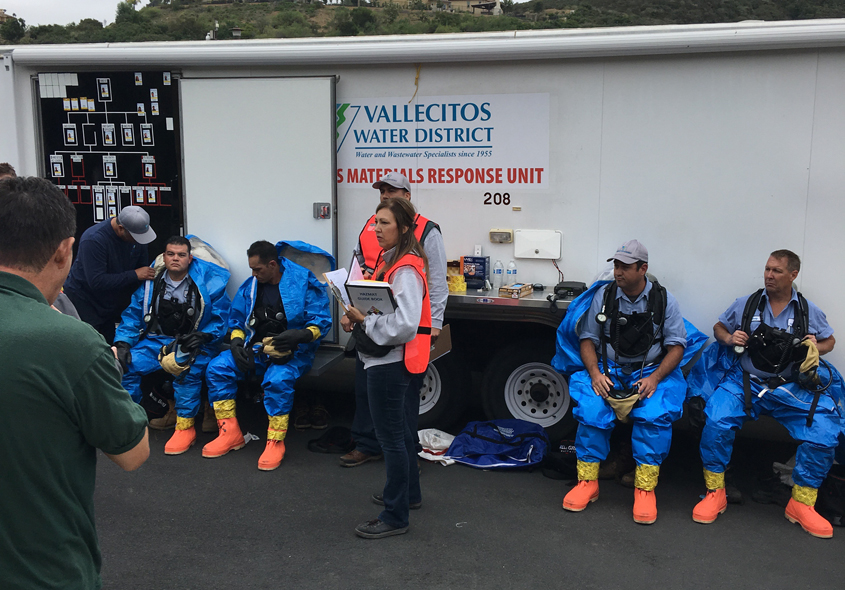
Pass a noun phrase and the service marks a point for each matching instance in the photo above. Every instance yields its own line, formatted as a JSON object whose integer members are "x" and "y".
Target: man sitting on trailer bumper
{"x": 635, "y": 328}
{"x": 768, "y": 363}
{"x": 278, "y": 318}
{"x": 174, "y": 322}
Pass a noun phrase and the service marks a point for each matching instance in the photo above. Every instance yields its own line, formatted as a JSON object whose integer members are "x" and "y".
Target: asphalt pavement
{"x": 186, "y": 522}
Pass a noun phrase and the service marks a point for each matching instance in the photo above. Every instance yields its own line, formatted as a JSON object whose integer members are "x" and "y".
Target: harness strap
{"x": 746, "y": 385}
{"x": 816, "y": 395}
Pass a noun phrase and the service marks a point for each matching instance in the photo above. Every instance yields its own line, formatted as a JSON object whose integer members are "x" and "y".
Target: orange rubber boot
{"x": 581, "y": 495}
{"x": 229, "y": 439}
{"x": 645, "y": 506}
{"x": 181, "y": 441}
{"x": 810, "y": 520}
{"x": 272, "y": 456}
{"x": 713, "y": 504}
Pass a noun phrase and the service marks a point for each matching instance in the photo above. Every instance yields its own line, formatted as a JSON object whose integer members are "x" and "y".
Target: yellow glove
{"x": 169, "y": 364}
{"x": 270, "y": 350}
{"x": 623, "y": 407}
{"x": 811, "y": 363}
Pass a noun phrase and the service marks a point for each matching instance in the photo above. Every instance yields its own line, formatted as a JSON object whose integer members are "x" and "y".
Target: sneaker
{"x": 377, "y": 529}
{"x": 581, "y": 495}
{"x": 378, "y": 499}
{"x": 167, "y": 421}
{"x": 302, "y": 421}
{"x": 209, "y": 420}
{"x": 627, "y": 480}
{"x": 319, "y": 418}
{"x": 356, "y": 457}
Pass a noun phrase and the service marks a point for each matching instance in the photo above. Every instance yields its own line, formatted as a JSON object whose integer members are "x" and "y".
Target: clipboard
{"x": 443, "y": 344}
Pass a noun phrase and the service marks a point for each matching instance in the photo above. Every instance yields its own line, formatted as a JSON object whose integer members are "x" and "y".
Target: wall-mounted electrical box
{"x": 537, "y": 243}
{"x": 501, "y": 236}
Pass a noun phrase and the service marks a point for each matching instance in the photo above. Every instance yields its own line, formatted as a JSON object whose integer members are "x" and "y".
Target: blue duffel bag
{"x": 500, "y": 444}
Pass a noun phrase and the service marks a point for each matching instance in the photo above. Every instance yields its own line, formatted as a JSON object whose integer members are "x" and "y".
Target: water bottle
{"x": 511, "y": 278}
{"x": 498, "y": 275}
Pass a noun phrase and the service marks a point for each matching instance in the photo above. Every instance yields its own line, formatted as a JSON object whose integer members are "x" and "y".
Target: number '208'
{"x": 497, "y": 199}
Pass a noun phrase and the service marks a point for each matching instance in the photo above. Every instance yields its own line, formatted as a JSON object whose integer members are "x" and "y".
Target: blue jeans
{"x": 387, "y": 387}
{"x": 363, "y": 432}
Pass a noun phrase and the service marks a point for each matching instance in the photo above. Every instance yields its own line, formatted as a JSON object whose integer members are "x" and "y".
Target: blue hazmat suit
{"x": 213, "y": 310}
{"x": 717, "y": 378}
{"x": 652, "y": 417}
{"x": 306, "y": 303}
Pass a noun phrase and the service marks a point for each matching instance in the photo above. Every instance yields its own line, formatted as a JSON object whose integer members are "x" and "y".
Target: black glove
{"x": 242, "y": 355}
{"x": 191, "y": 343}
{"x": 290, "y": 339}
{"x": 124, "y": 357}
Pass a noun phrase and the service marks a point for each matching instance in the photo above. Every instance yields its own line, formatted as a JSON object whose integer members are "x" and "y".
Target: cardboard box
{"x": 516, "y": 290}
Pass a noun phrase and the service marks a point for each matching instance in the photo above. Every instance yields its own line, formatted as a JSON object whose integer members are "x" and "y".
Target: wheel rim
{"x": 537, "y": 393}
{"x": 430, "y": 391}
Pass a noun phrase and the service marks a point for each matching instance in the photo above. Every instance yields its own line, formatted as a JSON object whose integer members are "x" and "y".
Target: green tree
{"x": 126, "y": 13}
{"x": 13, "y": 29}
{"x": 364, "y": 20}
{"x": 390, "y": 13}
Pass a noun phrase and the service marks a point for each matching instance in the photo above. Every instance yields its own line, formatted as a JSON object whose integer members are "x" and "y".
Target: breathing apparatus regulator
{"x": 632, "y": 334}
{"x": 773, "y": 350}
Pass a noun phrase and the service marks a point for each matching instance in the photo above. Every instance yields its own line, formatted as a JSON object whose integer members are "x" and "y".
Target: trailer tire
{"x": 445, "y": 392}
{"x": 520, "y": 383}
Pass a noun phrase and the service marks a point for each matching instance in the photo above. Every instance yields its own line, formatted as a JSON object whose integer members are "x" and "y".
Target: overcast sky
{"x": 62, "y": 12}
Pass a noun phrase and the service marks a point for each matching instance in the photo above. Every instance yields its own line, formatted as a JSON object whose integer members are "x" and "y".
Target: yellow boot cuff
{"x": 224, "y": 409}
{"x": 184, "y": 423}
{"x": 805, "y": 495}
{"x": 278, "y": 427}
{"x": 645, "y": 477}
{"x": 588, "y": 471}
{"x": 714, "y": 481}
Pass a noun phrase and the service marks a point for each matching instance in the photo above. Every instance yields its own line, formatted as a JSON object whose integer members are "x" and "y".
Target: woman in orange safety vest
{"x": 393, "y": 347}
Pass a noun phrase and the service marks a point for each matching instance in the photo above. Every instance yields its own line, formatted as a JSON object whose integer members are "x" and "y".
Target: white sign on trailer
{"x": 465, "y": 142}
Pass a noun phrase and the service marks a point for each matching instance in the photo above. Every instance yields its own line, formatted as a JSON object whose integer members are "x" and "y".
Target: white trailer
{"x": 712, "y": 144}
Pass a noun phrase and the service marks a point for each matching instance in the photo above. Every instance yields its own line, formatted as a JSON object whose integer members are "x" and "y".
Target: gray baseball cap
{"x": 630, "y": 252}
{"x": 137, "y": 222}
{"x": 394, "y": 179}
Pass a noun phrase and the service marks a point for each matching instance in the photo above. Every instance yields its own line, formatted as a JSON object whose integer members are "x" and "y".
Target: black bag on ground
{"x": 562, "y": 462}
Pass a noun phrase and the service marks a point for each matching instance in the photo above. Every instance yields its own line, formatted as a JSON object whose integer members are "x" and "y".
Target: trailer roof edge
{"x": 448, "y": 48}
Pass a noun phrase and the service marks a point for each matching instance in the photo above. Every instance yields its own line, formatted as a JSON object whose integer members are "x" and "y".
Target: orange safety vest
{"x": 368, "y": 244}
{"x": 418, "y": 350}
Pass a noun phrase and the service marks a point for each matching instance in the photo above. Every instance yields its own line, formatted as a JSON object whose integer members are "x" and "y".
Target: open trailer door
{"x": 258, "y": 163}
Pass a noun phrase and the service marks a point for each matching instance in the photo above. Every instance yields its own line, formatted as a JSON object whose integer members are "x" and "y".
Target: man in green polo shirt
{"x": 61, "y": 399}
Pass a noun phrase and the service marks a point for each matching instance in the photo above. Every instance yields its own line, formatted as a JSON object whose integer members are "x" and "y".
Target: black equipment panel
{"x": 110, "y": 140}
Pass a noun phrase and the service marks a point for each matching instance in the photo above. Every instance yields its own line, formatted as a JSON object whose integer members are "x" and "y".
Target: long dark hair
{"x": 405, "y": 216}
